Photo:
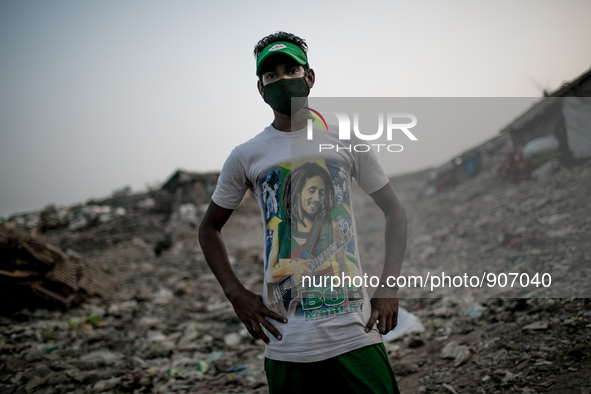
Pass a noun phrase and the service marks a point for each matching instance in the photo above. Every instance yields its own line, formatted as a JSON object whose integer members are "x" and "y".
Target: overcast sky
{"x": 96, "y": 95}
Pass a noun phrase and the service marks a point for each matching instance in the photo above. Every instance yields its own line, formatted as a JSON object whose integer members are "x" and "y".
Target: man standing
{"x": 322, "y": 338}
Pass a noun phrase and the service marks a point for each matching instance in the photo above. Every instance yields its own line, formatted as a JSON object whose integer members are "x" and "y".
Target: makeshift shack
{"x": 565, "y": 114}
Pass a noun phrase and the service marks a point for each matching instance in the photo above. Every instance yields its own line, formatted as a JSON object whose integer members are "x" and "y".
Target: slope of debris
{"x": 507, "y": 342}
{"x": 168, "y": 327}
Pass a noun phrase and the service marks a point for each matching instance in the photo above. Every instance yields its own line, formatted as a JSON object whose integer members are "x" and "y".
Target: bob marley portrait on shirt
{"x": 308, "y": 234}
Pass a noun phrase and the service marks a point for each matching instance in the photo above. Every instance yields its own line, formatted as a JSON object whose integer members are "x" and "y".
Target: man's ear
{"x": 311, "y": 78}
{"x": 260, "y": 88}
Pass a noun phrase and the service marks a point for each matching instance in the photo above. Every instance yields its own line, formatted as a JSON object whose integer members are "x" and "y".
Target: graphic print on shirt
{"x": 309, "y": 233}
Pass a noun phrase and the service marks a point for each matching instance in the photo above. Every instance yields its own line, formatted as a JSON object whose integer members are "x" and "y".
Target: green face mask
{"x": 279, "y": 93}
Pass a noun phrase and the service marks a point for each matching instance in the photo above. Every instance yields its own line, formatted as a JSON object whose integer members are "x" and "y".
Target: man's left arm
{"x": 384, "y": 303}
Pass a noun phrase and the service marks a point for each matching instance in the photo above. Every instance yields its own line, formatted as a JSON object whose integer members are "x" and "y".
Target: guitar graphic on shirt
{"x": 276, "y": 292}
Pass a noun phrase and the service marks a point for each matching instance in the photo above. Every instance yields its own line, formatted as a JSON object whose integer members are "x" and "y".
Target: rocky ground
{"x": 168, "y": 328}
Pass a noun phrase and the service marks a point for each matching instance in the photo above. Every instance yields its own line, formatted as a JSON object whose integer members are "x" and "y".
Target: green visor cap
{"x": 287, "y": 48}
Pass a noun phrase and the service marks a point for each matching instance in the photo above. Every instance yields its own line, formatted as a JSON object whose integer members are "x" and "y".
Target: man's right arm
{"x": 248, "y": 306}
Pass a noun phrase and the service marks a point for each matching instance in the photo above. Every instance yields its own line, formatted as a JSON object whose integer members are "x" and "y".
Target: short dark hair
{"x": 280, "y": 36}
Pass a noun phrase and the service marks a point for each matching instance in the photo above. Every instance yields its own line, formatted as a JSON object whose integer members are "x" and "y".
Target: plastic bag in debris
{"x": 474, "y": 310}
{"x": 407, "y": 323}
{"x": 539, "y": 146}
{"x": 147, "y": 203}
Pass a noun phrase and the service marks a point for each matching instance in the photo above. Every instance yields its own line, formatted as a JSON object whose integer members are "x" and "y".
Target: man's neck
{"x": 288, "y": 123}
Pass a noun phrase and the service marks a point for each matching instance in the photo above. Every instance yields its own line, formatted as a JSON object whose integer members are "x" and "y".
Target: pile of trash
{"x": 74, "y": 218}
{"x": 167, "y": 328}
{"x": 91, "y": 213}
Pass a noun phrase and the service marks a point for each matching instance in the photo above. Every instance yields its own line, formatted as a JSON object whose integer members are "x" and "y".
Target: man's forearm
{"x": 395, "y": 242}
{"x": 248, "y": 306}
{"x": 395, "y": 232}
{"x": 384, "y": 303}
{"x": 215, "y": 252}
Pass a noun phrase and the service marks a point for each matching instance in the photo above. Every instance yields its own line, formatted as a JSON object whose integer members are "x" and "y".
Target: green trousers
{"x": 365, "y": 370}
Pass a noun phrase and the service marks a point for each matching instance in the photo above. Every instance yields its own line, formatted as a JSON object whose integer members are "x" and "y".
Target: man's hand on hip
{"x": 384, "y": 310}
{"x": 253, "y": 313}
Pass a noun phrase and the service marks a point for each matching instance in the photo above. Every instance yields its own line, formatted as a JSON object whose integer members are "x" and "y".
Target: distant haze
{"x": 101, "y": 94}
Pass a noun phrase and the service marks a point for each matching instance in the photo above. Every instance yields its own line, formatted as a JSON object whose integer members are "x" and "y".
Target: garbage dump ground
{"x": 168, "y": 328}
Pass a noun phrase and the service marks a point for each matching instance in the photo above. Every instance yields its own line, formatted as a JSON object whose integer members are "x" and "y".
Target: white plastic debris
{"x": 407, "y": 323}
{"x": 540, "y": 145}
{"x": 147, "y": 203}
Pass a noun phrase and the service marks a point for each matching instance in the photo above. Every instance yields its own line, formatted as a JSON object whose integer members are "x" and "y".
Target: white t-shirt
{"x": 305, "y": 201}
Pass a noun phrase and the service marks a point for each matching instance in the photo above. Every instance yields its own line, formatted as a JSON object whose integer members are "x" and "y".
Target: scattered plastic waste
{"x": 474, "y": 310}
{"x": 201, "y": 366}
{"x": 407, "y": 323}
